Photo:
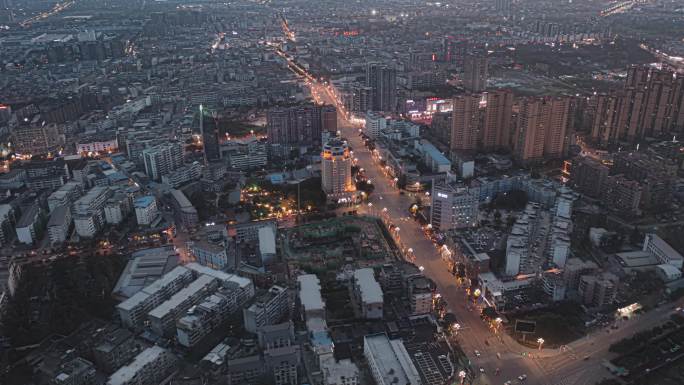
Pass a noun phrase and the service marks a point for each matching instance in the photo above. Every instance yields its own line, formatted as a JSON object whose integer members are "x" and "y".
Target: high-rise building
{"x": 496, "y": 130}
{"x": 556, "y": 118}
{"x": 541, "y": 128}
{"x": 503, "y": 6}
{"x": 209, "y": 133}
{"x": 362, "y": 99}
{"x": 475, "y": 72}
{"x": 466, "y": 122}
{"x": 336, "y": 170}
{"x": 162, "y": 159}
{"x": 481, "y": 122}
{"x": 651, "y": 104}
{"x": 622, "y": 195}
{"x": 588, "y": 176}
{"x": 382, "y": 80}
{"x": 329, "y": 118}
{"x": 293, "y": 127}
{"x": 528, "y": 140}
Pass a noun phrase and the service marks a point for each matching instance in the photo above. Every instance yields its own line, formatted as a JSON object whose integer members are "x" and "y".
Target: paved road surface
{"x": 546, "y": 367}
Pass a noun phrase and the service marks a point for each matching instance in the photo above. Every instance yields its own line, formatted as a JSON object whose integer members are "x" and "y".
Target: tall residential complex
{"x": 209, "y": 133}
{"x": 382, "y": 80}
{"x": 541, "y": 128}
{"x": 650, "y": 104}
{"x": 475, "y": 72}
{"x": 481, "y": 121}
{"x": 336, "y": 170}
{"x": 292, "y": 127}
{"x": 465, "y": 122}
{"x": 503, "y": 6}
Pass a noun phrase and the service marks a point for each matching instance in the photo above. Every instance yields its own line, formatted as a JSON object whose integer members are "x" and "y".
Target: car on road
{"x": 522, "y": 377}
{"x": 481, "y": 370}
{"x": 508, "y": 382}
{"x": 477, "y": 353}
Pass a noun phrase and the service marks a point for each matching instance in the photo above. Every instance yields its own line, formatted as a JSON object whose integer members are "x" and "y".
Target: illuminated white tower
{"x": 336, "y": 169}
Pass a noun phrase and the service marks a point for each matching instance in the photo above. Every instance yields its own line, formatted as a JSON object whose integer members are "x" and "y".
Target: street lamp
{"x": 540, "y": 341}
{"x": 462, "y": 375}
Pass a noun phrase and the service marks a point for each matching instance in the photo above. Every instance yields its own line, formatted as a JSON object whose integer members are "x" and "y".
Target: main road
{"x": 386, "y": 201}
{"x": 500, "y": 358}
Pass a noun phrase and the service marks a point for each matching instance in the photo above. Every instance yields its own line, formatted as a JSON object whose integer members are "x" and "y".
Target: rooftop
{"x": 220, "y": 275}
{"x": 310, "y": 292}
{"x": 391, "y": 359}
{"x": 172, "y": 303}
{"x": 369, "y": 287}
{"x": 144, "y": 267}
{"x": 126, "y": 373}
{"x": 143, "y": 202}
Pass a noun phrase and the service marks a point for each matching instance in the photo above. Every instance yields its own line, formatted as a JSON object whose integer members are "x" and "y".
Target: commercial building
{"x": 657, "y": 247}
{"x": 454, "y": 206}
{"x": 368, "y": 294}
{"x": 149, "y": 367}
{"x": 268, "y": 309}
{"x": 336, "y": 178}
{"x": 388, "y": 361}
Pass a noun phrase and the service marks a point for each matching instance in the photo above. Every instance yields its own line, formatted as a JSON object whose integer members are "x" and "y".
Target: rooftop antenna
{"x": 204, "y": 149}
